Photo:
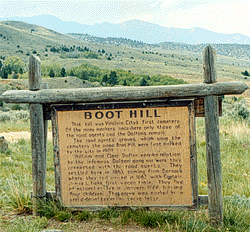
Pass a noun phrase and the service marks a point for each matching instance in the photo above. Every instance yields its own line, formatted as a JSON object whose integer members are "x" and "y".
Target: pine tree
{"x": 112, "y": 79}
{"x": 143, "y": 82}
{"x": 51, "y": 73}
{"x": 72, "y": 74}
{"x": 104, "y": 79}
{"x": 4, "y": 73}
{"x": 63, "y": 72}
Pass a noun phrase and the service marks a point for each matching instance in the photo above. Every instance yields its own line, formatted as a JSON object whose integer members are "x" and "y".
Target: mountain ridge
{"x": 135, "y": 30}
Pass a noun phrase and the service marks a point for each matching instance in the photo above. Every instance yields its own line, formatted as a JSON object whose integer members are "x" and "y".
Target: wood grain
{"x": 62, "y": 96}
{"x": 215, "y": 200}
{"x": 38, "y": 134}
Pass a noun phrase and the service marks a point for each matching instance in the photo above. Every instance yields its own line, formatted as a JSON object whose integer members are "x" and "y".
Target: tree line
{"x": 12, "y": 66}
{"x": 15, "y": 66}
{"x": 107, "y": 77}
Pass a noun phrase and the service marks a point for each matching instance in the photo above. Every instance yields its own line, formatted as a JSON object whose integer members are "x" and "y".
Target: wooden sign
{"x": 126, "y": 154}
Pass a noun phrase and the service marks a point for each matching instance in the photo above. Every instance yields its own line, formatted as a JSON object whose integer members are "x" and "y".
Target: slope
{"x": 21, "y": 39}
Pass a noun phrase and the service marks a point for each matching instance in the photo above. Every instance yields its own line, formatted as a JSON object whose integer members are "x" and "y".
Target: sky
{"x": 223, "y": 16}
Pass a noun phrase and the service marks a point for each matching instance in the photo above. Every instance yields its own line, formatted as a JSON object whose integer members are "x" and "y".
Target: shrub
{"x": 236, "y": 108}
{"x": 246, "y": 73}
{"x": 14, "y": 115}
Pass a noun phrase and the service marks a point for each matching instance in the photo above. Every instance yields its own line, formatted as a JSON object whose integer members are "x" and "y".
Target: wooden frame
{"x": 130, "y": 105}
{"x": 41, "y": 99}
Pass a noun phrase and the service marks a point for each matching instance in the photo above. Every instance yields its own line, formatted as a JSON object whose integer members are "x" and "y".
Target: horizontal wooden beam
{"x": 61, "y": 96}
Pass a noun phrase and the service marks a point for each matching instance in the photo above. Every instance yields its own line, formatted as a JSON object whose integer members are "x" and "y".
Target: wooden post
{"x": 37, "y": 137}
{"x": 215, "y": 200}
{"x": 45, "y": 86}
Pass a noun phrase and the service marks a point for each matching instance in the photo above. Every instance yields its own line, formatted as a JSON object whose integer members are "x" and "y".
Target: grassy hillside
{"x": 173, "y": 59}
{"x": 18, "y": 39}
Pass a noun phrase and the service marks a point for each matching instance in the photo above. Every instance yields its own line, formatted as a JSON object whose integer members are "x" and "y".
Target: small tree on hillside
{"x": 143, "y": 82}
{"x": 105, "y": 78}
{"x": 112, "y": 79}
{"x": 4, "y": 73}
{"x": 125, "y": 83}
{"x": 72, "y": 74}
{"x": 51, "y": 73}
{"x": 63, "y": 72}
{"x": 246, "y": 73}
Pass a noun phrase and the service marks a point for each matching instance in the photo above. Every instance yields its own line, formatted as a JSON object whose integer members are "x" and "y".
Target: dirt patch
{"x": 15, "y": 136}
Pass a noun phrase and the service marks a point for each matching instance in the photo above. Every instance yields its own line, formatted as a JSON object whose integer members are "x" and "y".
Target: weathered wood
{"x": 198, "y": 104}
{"x": 209, "y": 65}
{"x": 61, "y": 96}
{"x": 44, "y": 85}
{"x": 193, "y": 153}
{"x": 38, "y": 155}
{"x": 200, "y": 108}
{"x": 37, "y": 138}
{"x": 213, "y": 161}
{"x": 59, "y": 142}
{"x": 203, "y": 200}
{"x": 215, "y": 200}
{"x": 35, "y": 77}
{"x": 56, "y": 153}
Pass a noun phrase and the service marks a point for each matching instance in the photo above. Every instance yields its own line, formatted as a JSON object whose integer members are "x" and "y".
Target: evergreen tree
{"x": 51, "y": 73}
{"x": 246, "y": 73}
{"x": 63, "y": 72}
{"x": 143, "y": 82}
{"x": 72, "y": 74}
{"x": 105, "y": 78}
{"x": 112, "y": 79}
{"x": 4, "y": 73}
{"x": 21, "y": 71}
{"x": 125, "y": 83}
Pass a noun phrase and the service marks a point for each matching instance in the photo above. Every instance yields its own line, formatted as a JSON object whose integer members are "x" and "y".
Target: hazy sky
{"x": 228, "y": 16}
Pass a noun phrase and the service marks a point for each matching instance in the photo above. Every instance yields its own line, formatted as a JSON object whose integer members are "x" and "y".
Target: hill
{"x": 136, "y": 30}
{"x": 174, "y": 59}
{"x": 21, "y": 39}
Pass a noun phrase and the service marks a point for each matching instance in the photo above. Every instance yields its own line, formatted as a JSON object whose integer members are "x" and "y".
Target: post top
{"x": 209, "y": 65}
{"x": 34, "y": 58}
{"x": 35, "y": 75}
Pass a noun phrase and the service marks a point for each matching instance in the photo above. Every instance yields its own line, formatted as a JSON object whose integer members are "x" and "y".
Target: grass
{"x": 16, "y": 185}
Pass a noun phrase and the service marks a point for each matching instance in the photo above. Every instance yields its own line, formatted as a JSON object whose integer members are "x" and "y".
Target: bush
{"x": 236, "y": 108}
{"x": 246, "y": 73}
{"x": 14, "y": 115}
{"x": 51, "y": 73}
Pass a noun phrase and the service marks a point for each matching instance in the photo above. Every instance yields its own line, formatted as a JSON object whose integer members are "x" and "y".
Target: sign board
{"x": 125, "y": 154}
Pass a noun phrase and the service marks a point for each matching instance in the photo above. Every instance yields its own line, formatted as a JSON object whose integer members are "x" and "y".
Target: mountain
{"x": 135, "y": 30}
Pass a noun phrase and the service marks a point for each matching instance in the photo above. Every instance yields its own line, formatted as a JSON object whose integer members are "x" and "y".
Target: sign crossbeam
{"x": 62, "y": 96}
